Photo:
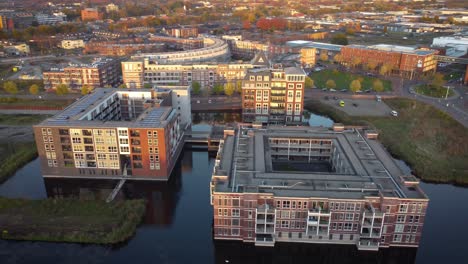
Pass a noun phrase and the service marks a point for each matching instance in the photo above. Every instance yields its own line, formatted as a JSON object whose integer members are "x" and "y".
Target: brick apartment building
{"x": 183, "y": 32}
{"x": 103, "y": 72}
{"x": 112, "y": 134}
{"x": 313, "y": 185}
{"x": 407, "y": 61}
{"x": 122, "y": 47}
{"x": 273, "y": 94}
{"x": 90, "y": 14}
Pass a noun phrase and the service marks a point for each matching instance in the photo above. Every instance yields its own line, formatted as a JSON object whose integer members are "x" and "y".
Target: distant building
{"x": 103, "y": 72}
{"x": 273, "y": 94}
{"x": 456, "y": 46}
{"x": 405, "y": 60}
{"x": 112, "y": 134}
{"x": 46, "y": 19}
{"x": 72, "y": 44}
{"x": 308, "y": 57}
{"x": 112, "y": 8}
{"x": 6, "y": 23}
{"x": 184, "y": 32}
{"x": 90, "y": 14}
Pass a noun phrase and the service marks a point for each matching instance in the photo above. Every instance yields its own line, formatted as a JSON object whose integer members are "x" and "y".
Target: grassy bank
{"x": 344, "y": 79}
{"x": 66, "y": 220}
{"x": 433, "y": 90}
{"x": 34, "y": 102}
{"x": 21, "y": 120}
{"x": 430, "y": 141}
{"x": 13, "y": 158}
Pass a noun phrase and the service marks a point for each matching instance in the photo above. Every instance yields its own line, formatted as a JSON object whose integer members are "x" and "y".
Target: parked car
{"x": 332, "y": 90}
{"x": 368, "y": 90}
{"x": 378, "y": 98}
{"x": 394, "y": 113}
{"x": 344, "y": 90}
{"x": 324, "y": 89}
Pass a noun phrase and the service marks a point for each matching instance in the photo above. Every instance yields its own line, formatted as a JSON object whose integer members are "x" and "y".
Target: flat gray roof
{"x": 244, "y": 159}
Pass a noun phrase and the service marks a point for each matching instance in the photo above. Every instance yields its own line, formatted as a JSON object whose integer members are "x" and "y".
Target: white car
{"x": 394, "y": 113}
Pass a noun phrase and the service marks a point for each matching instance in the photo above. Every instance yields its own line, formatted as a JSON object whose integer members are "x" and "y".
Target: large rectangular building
{"x": 313, "y": 185}
{"x": 112, "y": 133}
{"x": 405, "y": 60}
{"x": 273, "y": 95}
{"x": 103, "y": 72}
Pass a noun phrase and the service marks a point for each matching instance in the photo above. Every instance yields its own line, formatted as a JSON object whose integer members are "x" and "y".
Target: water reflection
{"x": 287, "y": 253}
{"x": 216, "y": 117}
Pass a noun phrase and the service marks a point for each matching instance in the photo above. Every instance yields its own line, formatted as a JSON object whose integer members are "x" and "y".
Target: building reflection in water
{"x": 287, "y": 253}
{"x": 161, "y": 197}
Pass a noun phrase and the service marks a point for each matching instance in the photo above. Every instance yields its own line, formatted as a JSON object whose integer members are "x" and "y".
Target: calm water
{"x": 177, "y": 226}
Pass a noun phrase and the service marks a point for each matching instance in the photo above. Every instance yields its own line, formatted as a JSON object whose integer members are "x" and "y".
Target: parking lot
{"x": 359, "y": 107}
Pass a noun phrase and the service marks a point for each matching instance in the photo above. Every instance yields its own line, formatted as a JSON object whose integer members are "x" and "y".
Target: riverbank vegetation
{"x": 67, "y": 220}
{"x": 430, "y": 141}
{"x": 21, "y": 119}
{"x": 31, "y": 103}
{"x": 15, "y": 156}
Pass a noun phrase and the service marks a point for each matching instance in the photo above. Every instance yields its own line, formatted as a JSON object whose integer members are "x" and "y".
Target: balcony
{"x": 368, "y": 245}
{"x": 264, "y": 240}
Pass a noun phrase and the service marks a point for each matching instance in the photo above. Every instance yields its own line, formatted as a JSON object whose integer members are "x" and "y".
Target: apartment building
{"x": 183, "y": 32}
{"x": 273, "y": 94}
{"x": 308, "y": 57}
{"x": 90, "y": 14}
{"x": 313, "y": 185}
{"x": 407, "y": 61}
{"x": 140, "y": 72}
{"x": 112, "y": 133}
{"x": 103, "y": 72}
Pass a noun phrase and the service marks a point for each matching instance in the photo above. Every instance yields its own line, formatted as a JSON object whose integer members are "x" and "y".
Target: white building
{"x": 72, "y": 44}
{"x": 181, "y": 101}
{"x": 456, "y": 46}
{"x": 46, "y": 19}
{"x": 112, "y": 8}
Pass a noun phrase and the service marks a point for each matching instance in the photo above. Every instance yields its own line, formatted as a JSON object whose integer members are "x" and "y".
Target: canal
{"x": 178, "y": 221}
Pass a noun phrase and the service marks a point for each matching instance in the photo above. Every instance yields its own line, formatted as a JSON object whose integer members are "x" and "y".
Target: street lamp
{"x": 446, "y": 94}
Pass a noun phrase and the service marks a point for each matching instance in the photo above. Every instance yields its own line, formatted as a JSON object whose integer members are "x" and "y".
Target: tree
{"x": 10, "y": 87}
{"x": 355, "y": 86}
{"x": 239, "y": 86}
{"x": 338, "y": 58}
{"x": 196, "y": 88}
{"x": 330, "y": 84}
{"x": 62, "y": 89}
{"x": 218, "y": 88}
{"x": 378, "y": 86}
{"x": 34, "y": 89}
{"x": 339, "y": 39}
{"x": 309, "y": 83}
{"x": 246, "y": 25}
{"x": 323, "y": 56}
{"x": 383, "y": 70}
{"x": 371, "y": 65}
{"x": 123, "y": 86}
{"x": 84, "y": 89}
{"x": 356, "y": 61}
{"x": 147, "y": 86}
{"x": 229, "y": 89}
{"x": 438, "y": 79}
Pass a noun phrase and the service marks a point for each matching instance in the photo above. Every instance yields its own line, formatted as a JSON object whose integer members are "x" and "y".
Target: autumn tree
{"x": 85, "y": 89}
{"x": 229, "y": 89}
{"x": 438, "y": 79}
{"x": 330, "y": 84}
{"x": 62, "y": 89}
{"x": 371, "y": 65}
{"x": 239, "y": 86}
{"x": 339, "y": 39}
{"x": 338, "y": 58}
{"x": 378, "y": 86}
{"x": 383, "y": 70}
{"x": 323, "y": 56}
{"x": 34, "y": 89}
{"x": 355, "y": 85}
{"x": 218, "y": 88}
{"x": 246, "y": 25}
{"x": 10, "y": 87}
{"x": 309, "y": 83}
{"x": 196, "y": 88}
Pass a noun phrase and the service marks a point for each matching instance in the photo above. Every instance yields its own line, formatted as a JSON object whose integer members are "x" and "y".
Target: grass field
{"x": 343, "y": 79}
{"x": 433, "y": 91}
{"x": 430, "y": 141}
{"x": 19, "y": 119}
{"x": 34, "y": 102}
{"x": 67, "y": 220}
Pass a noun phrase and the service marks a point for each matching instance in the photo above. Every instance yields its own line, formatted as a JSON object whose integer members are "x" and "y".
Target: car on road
{"x": 368, "y": 90}
{"x": 359, "y": 91}
{"x": 342, "y": 104}
{"x": 394, "y": 113}
{"x": 343, "y": 90}
{"x": 332, "y": 90}
{"x": 378, "y": 98}
{"x": 324, "y": 89}
{"x": 198, "y": 101}
{"x": 209, "y": 101}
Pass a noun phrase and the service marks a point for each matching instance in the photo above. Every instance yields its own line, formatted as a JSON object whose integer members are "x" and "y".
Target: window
{"x": 399, "y": 228}
{"x": 235, "y": 231}
{"x": 349, "y": 217}
{"x": 285, "y": 224}
{"x": 348, "y": 226}
{"x": 76, "y": 140}
{"x": 400, "y": 219}
{"x": 235, "y": 222}
{"x": 112, "y": 149}
{"x": 123, "y": 141}
{"x": 397, "y": 238}
{"x": 77, "y": 148}
{"x": 235, "y": 212}
{"x": 403, "y": 208}
{"x": 123, "y": 133}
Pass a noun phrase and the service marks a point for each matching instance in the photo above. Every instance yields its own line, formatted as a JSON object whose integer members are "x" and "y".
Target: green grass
{"x": 343, "y": 79}
{"x": 14, "y": 157}
{"x": 430, "y": 141}
{"x": 68, "y": 220}
{"x": 432, "y": 90}
{"x": 33, "y": 102}
{"x": 21, "y": 119}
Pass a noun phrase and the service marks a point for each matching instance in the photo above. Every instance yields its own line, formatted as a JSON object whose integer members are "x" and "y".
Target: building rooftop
{"x": 80, "y": 113}
{"x": 312, "y": 44}
{"x": 244, "y": 164}
{"x": 395, "y": 48}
